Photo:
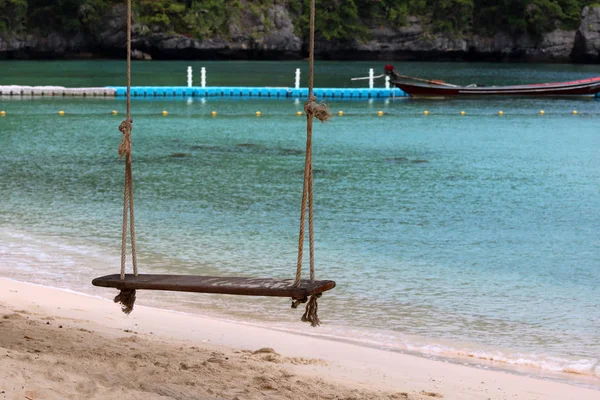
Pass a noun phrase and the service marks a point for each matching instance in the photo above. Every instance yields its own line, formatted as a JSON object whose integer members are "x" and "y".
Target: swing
{"x": 299, "y": 290}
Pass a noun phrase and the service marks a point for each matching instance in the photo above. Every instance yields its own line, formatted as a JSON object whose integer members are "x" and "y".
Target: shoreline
{"x": 385, "y": 370}
{"x": 473, "y": 354}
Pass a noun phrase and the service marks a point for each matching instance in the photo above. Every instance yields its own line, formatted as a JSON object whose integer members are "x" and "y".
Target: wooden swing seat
{"x": 213, "y": 284}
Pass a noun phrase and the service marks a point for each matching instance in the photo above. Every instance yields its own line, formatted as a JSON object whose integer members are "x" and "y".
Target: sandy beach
{"x": 57, "y": 344}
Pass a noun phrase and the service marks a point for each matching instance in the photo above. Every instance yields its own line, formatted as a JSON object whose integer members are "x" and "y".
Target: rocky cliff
{"x": 414, "y": 42}
{"x": 587, "y": 40}
{"x": 272, "y": 36}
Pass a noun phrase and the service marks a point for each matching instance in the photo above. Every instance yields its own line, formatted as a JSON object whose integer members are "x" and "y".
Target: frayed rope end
{"x": 126, "y": 298}
{"x": 310, "y": 314}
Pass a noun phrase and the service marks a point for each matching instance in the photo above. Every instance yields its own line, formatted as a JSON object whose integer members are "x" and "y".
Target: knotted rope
{"x": 126, "y": 297}
{"x": 125, "y": 146}
{"x": 313, "y": 109}
{"x": 317, "y": 110}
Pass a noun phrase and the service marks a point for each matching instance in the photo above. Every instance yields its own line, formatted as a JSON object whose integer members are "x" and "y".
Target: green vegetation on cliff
{"x": 337, "y": 19}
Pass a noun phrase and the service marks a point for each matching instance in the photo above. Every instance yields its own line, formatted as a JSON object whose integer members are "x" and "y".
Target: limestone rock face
{"x": 413, "y": 37}
{"x": 282, "y": 37}
{"x": 416, "y": 41}
{"x": 140, "y": 55}
{"x": 271, "y": 35}
{"x": 112, "y": 31}
{"x": 554, "y": 46}
{"x": 251, "y": 37}
{"x": 35, "y": 46}
{"x": 587, "y": 41}
{"x": 413, "y": 41}
{"x": 557, "y": 45}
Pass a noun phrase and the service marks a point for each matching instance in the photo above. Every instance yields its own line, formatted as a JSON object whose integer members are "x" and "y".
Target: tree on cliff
{"x": 13, "y": 15}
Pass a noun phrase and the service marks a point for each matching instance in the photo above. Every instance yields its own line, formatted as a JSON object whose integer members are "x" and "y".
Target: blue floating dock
{"x": 258, "y": 92}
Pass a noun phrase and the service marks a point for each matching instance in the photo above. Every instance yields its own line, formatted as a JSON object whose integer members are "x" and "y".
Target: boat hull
{"x": 585, "y": 87}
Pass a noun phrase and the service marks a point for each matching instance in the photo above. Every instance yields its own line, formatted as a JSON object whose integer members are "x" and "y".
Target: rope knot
{"x": 317, "y": 110}
{"x": 297, "y": 302}
{"x": 125, "y": 146}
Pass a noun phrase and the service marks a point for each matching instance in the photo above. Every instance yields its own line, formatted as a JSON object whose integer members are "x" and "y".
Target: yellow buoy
{"x": 426, "y": 112}
{"x": 575, "y": 112}
{"x": 463, "y": 113}
{"x": 114, "y": 112}
{"x": 340, "y": 113}
{"x": 299, "y": 113}
{"x": 165, "y": 113}
{"x": 542, "y": 112}
{"x": 380, "y": 113}
{"x": 500, "y": 112}
{"x": 258, "y": 113}
{"x": 214, "y": 113}
{"x": 3, "y": 113}
{"x": 61, "y": 112}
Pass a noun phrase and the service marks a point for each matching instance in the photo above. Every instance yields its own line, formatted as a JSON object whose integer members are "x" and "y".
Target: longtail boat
{"x": 418, "y": 87}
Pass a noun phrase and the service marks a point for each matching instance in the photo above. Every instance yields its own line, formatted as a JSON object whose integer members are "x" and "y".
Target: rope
{"x": 319, "y": 111}
{"x": 126, "y": 296}
{"x": 129, "y": 60}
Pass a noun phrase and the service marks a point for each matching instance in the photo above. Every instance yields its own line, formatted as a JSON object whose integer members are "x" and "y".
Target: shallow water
{"x": 448, "y": 235}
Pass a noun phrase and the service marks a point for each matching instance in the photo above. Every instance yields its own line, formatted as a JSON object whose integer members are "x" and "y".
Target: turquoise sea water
{"x": 471, "y": 236}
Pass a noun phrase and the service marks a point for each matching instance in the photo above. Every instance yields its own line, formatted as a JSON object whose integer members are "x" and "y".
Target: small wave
{"x": 520, "y": 362}
{"x": 543, "y": 362}
{"x": 584, "y": 367}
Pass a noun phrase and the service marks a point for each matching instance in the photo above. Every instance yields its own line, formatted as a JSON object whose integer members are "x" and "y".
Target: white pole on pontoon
{"x": 371, "y": 78}
{"x": 297, "y": 83}
{"x": 189, "y": 76}
{"x": 203, "y": 77}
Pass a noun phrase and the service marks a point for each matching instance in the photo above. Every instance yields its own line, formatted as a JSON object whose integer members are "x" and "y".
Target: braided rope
{"x": 311, "y": 230}
{"x": 132, "y": 225}
{"x": 313, "y": 109}
{"x": 127, "y": 297}
{"x": 124, "y": 231}
{"x": 129, "y": 60}
{"x": 125, "y": 151}
{"x": 302, "y": 219}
